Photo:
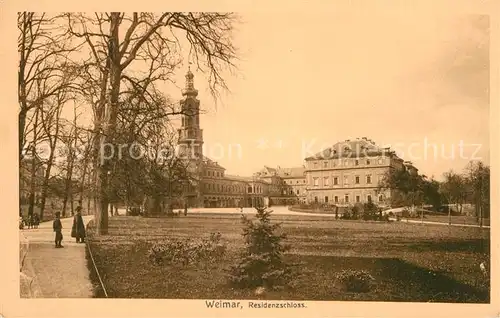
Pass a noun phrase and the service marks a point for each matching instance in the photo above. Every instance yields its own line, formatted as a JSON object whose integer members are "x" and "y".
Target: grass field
{"x": 410, "y": 262}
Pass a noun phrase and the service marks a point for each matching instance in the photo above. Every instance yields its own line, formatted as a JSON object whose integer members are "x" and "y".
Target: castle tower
{"x": 190, "y": 134}
{"x": 191, "y": 141}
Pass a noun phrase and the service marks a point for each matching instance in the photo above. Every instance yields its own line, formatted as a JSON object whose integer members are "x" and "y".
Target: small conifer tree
{"x": 261, "y": 263}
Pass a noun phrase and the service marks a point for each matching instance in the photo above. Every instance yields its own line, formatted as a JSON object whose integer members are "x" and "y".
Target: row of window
{"x": 326, "y": 180}
{"x": 210, "y": 173}
{"x": 191, "y": 134}
{"x": 347, "y": 162}
{"x": 231, "y": 188}
{"x": 357, "y": 199}
{"x": 190, "y": 121}
{"x": 295, "y": 181}
{"x": 292, "y": 192}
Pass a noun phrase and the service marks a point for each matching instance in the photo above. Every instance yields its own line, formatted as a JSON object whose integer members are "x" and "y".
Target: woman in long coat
{"x": 78, "y": 229}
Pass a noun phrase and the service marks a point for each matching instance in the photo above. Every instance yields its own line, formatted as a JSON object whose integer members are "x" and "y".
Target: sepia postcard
{"x": 252, "y": 159}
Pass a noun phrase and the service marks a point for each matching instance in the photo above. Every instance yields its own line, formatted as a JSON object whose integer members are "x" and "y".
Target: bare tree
{"x": 478, "y": 178}
{"x": 51, "y": 122}
{"x": 117, "y": 41}
{"x": 43, "y": 52}
{"x": 453, "y": 188}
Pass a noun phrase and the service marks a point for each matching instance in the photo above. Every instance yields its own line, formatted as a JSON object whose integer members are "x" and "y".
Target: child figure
{"x": 57, "y": 226}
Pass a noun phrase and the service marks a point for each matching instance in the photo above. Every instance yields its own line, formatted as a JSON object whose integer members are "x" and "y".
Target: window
{"x": 326, "y": 199}
{"x": 346, "y": 180}
{"x": 316, "y": 199}
{"x": 357, "y": 198}
{"x": 316, "y": 182}
{"x": 325, "y": 164}
{"x": 356, "y": 162}
{"x": 357, "y": 179}
{"x": 380, "y": 161}
{"x": 369, "y": 179}
{"x": 336, "y": 199}
{"x": 346, "y": 163}
{"x": 298, "y": 192}
{"x": 367, "y": 162}
{"x": 346, "y": 199}
{"x": 369, "y": 198}
{"x": 249, "y": 189}
{"x": 335, "y": 180}
{"x": 297, "y": 182}
{"x": 380, "y": 198}
{"x": 325, "y": 181}
{"x": 315, "y": 165}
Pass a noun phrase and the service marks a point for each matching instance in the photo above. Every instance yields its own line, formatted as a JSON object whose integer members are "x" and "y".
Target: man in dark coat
{"x": 57, "y": 226}
{"x": 78, "y": 229}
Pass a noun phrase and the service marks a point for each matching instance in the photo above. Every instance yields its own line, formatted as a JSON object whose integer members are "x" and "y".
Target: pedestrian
{"x": 57, "y": 226}
{"x": 21, "y": 221}
{"x": 185, "y": 209}
{"x": 78, "y": 229}
{"x": 36, "y": 220}
{"x": 30, "y": 221}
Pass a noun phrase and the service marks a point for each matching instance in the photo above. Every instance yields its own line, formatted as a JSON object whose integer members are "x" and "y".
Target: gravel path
{"x": 51, "y": 272}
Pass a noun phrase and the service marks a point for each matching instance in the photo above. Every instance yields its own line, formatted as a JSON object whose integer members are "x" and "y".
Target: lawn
{"x": 410, "y": 262}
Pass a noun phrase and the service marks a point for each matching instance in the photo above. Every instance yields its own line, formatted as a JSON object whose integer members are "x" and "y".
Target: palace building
{"x": 349, "y": 172}
{"x": 346, "y": 173}
{"x": 212, "y": 187}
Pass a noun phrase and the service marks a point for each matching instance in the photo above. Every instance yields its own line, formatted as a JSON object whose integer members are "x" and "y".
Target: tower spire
{"x": 189, "y": 89}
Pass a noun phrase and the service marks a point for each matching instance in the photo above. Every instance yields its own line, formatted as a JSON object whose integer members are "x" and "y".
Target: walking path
{"x": 440, "y": 223}
{"x": 49, "y": 272}
{"x": 283, "y": 210}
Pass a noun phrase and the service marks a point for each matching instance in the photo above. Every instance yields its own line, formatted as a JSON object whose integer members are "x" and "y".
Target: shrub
{"x": 134, "y": 211}
{"x": 358, "y": 281}
{"x": 261, "y": 263}
{"x": 187, "y": 252}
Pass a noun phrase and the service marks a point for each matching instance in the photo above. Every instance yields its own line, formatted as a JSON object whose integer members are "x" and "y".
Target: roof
{"x": 209, "y": 162}
{"x": 293, "y": 172}
{"x": 237, "y": 178}
{"x": 243, "y": 179}
{"x": 356, "y": 148}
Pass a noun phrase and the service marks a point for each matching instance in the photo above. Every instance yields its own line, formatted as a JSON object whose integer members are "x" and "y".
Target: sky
{"x": 415, "y": 81}
{"x": 418, "y": 83}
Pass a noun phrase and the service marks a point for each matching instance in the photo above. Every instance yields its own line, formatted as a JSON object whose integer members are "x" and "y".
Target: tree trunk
{"x": 114, "y": 68}
{"x": 45, "y": 184}
{"x": 65, "y": 204}
{"x": 72, "y": 205}
{"x": 481, "y": 215}
{"x": 82, "y": 183}
{"x": 449, "y": 216}
{"x": 68, "y": 186}
{"x": 34, "y": 166}
{"x": 22, "y": 124}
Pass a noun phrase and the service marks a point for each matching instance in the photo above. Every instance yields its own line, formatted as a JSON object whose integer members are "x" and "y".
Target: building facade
{"x": 349, "y": 172}
{"x": 346, "y": 173}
